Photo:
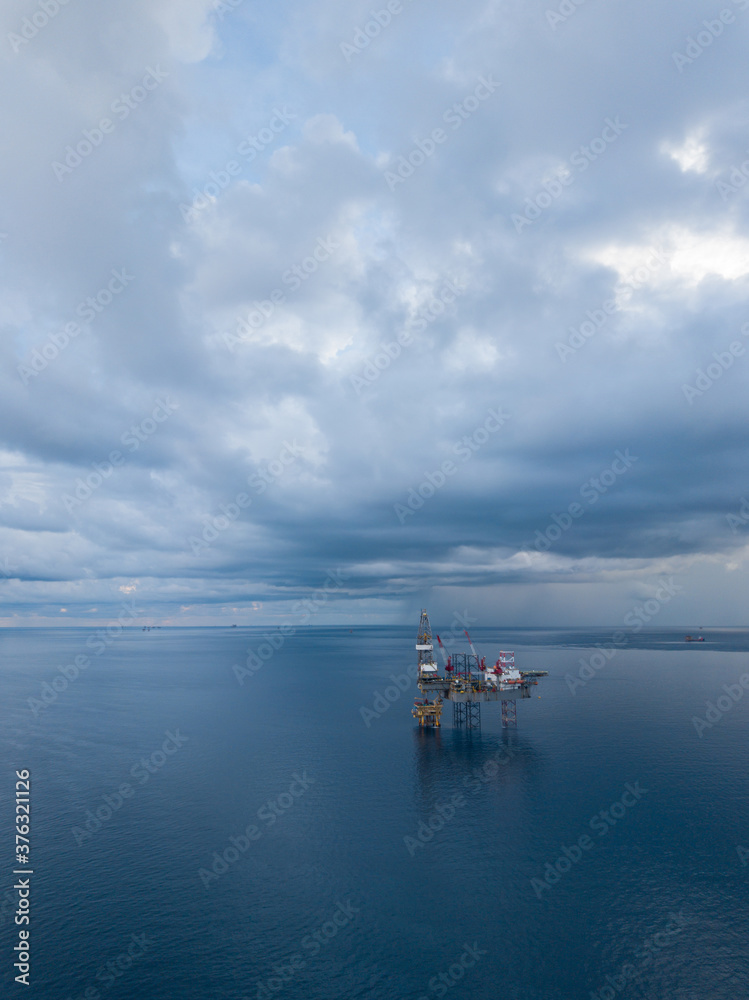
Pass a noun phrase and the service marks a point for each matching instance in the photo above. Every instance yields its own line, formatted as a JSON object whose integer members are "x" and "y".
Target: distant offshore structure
{"x": 467, "y": 681}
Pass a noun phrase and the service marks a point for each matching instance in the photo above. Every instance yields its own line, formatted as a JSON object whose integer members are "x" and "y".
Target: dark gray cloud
{"x": 393, "y": 313}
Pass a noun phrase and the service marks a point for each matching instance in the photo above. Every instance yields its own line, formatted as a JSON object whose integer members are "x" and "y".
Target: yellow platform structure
{"x": 428, "y": 714}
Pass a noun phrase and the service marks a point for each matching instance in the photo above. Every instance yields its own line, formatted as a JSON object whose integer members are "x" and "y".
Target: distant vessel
{"x": 692, "y": 638}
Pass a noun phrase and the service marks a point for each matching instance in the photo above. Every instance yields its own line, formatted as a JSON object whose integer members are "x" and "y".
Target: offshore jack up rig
{"x": 467, "y": 681}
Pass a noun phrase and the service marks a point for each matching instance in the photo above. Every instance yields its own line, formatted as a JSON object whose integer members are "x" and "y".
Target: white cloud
{"x": 321, "y": 178}
{"x": 693, "y": 154}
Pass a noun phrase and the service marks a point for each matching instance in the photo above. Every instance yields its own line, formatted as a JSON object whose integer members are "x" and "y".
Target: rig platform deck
{"x": 467, "y": 682}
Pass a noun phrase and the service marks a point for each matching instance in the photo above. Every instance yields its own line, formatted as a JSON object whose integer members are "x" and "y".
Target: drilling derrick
{"x": 427, "y": 712}
{"x": 424, "y": 645}
{"x": 467, "y": 682}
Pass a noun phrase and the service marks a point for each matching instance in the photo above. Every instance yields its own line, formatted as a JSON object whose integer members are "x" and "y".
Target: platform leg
{"x": 509, "y": 714}
{"x": 467, "y": 714}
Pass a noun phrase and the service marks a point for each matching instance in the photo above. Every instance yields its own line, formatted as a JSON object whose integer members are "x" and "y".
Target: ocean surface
{"x": 204, "y": 828}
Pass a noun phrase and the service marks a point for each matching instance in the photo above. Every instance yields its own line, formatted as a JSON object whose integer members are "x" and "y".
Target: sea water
{"x": 208, "y": 822}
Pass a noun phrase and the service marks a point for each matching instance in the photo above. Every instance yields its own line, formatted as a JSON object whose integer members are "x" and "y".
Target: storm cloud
{"x": 445, "y": 303}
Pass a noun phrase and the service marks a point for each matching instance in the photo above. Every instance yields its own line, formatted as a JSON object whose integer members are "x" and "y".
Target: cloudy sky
{"x": 374, "y": 307}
